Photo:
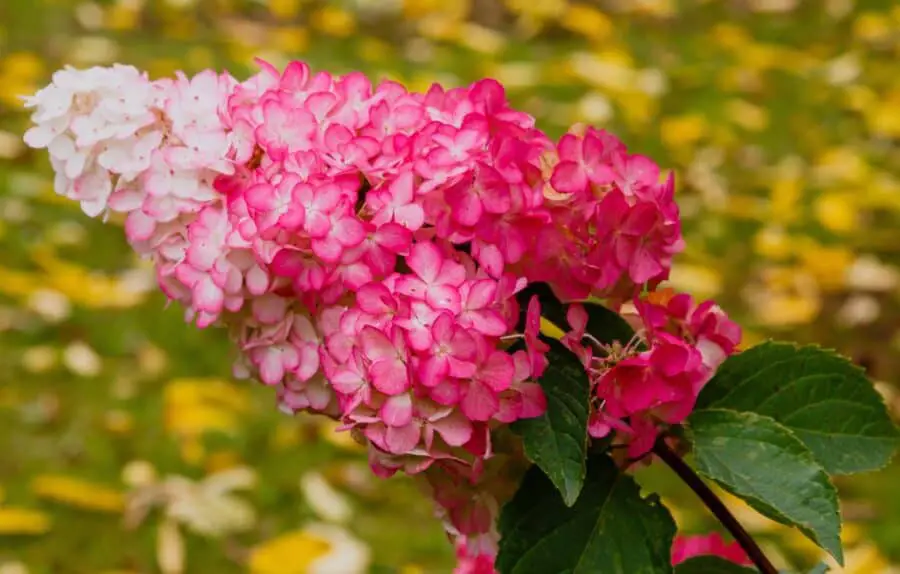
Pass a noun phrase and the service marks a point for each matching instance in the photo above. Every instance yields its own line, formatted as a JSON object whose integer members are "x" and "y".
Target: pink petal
{"x": 288, "y": 263}
{"x": 411, "y": 287}
{"x": 480, "y": 403}
{"x": 467, "y": 208}
{"x": 328, "y": 248}
{"x": 376, "y": 345}
{"x": 402, "y": 189}
{"x": 349, "y": 231}
{"x": 208, "y": 296}
{"x": 271, "y": 368}
{"x": 307, "y": 362}
{"x": 347, "y": 382}
{"x": 397, "y": 411}
{"x": 534, "y": 402}
{"x": 443, "y": 297}
{"x": 269, "y": 309}
{"x": 425, "y": 260}
{"x": 568, "y": 177}
{"x": 481, "y": 294}
{"x": 455, "y": 429}
{"x": 389, "y": 376}
{"x": 260, "y": 197}
{"x": 257, "y": 280}
{"x": 410, "y": 216}
{"x": 433, "y": 370}
{"x": 375, "y": 299}
{"x": 497, "y": 372}
{"x": 139, "y": 226}
{"x": 447, "y": 392}
{"x": 394, "y": 237}
{"x": 401, "y": 440}
{"x": 489, "y": 322}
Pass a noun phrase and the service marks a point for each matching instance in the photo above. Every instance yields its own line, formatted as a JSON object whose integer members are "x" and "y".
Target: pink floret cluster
{"x": 654, "y": 379}
{"x": 365, "y": 245}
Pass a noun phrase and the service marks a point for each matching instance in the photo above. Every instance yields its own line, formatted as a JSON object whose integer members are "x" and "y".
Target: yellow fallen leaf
{"x": 481, "y": 39}
{"x": 750, "y": 339}
{"x": 284, "y": 9}
{"x": 750, "y": 117}
{"x": 83, "y": 286}
{"x": 587, "y": 21}
{"x": 730, "y": 36}
{"x": 316, "y": 549}
{"x": 15, "y": 520}
{"x": 783, "y": 310}
{"x": 773, "y": 243}
{"x": 223, "y": 460}
{"x": 785, "y": 198}
{"x": 864, "y": 559}
{"x": 118, "y": 421}
{"x": 685, "y": 130}
{"x": 19, "y": 284}
{"x": 290, "y": 39}
{"x": 827, "y": 264}
{"x": 195, "y": 406}
{"x": 872, "y": 27}
{"x": 78, "y": 493}
{"x": 333, "y": 21}
{"x": 291, "y": 553}
{"x": 121, "y": 16}
{"x": 192, "y": 451}
{"x": 842, "y": 165}
{"x": 701, "y": 281}
{"x": 543, "y": 10}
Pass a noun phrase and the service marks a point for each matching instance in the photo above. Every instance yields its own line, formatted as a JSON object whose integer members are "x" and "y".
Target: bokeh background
{"x": 126, "y": 448}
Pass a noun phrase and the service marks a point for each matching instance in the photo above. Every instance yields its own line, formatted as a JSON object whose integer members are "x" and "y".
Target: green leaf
{"x": 557, "y": 440}
{"x": 611, "y": 529}
{"x": 711, "y": 565}
{"x": 603, "y": 324}
{"x": 759, "y": 460}
{"x": 827, "y": 402}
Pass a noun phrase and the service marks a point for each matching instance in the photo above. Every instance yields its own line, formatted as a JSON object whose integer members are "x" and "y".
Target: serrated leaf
{"x": 762, "y": 462}
{"x": 827, "y": 402}
{"x": 603, "y": 324}
{"x": 711, "y": 565}
{"x": 557, "y": 440}
{"x": 610, "y": 529}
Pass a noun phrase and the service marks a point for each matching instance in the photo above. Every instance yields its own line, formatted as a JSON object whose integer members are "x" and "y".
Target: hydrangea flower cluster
{"x": 365, "y": 244}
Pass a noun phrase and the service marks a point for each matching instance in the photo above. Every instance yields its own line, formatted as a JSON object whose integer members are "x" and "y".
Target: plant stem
{"x": 715, "y": 505}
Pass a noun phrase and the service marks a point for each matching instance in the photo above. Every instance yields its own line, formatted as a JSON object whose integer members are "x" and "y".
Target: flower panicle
{"x": 364, "y": 245}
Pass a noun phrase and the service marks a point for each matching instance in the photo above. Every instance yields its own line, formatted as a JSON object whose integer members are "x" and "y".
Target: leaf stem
{"x": 715, "y": 505}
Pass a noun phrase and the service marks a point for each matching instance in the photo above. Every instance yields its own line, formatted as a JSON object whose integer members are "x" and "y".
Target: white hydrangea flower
{"x": 100, "y": 126}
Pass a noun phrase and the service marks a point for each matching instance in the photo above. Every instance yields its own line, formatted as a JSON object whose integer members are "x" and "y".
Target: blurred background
{"x": 126, "y": 448}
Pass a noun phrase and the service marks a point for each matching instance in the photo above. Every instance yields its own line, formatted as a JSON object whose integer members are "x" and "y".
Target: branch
{"x": 715, "y": 505}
